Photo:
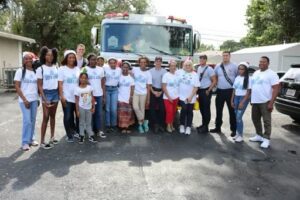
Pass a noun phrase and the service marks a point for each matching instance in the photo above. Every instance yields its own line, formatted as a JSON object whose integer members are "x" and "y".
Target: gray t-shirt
{"x": 209, "y": 72}
{"x": 157, "y": 76}
{"x": 232, "y": 72}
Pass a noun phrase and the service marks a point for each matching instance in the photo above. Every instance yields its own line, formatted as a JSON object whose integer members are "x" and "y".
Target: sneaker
{"x": 69, "y": 140}
{"x": 53, "y": 140}
{"x": 215, "y": 130}
{"x": 256, "y": 138}
{"x": 145, "y": 125}
{"x": 234, "y": 138}
{"x": 169, "y": 129}
{"x": 46, "y": 146}
{"x": 77, "y": 136}
{"x": 141, "y": 128}
{"x": 92, "y": 139}
{"x": 81, "y": 140}
{"x": 25, "y": 147}
{"x": 188, "y": 131}
{"x": 34, "y": 143}
{"x": 102, "y": 134}
{"x": 239, "y": 139}
{"x": 265, "y": 144}
{"x": 233, "y": 134}
{"x": 181, "y": 129}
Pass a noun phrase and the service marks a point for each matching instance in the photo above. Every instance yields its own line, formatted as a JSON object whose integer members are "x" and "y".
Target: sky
{"x": 215, "y": 20}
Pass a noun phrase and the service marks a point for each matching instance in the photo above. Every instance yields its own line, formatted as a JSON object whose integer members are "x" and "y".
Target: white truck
{"x": 129, "y": 36}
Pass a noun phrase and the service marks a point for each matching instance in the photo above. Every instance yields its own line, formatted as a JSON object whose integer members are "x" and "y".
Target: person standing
{"x": 85, "y": 106}
{"x": 188, "y": 87}
{"x": 170, "y": 86}
{"x": 240, "y": 98}
{"x": 226, "y": 73}
{"x": 264, "y": 90}
{"x": 97, "y": 81}
{"x": 112, "y": 77}
{"x": 125, "y": 94}
{"x": 27, "y": 90}
{"x": 141, "y": 96}
{"x": 100, "y": 61}
{"x": 68, "y": 76}
{"x": 47, "y": 76}
{"x": 81, "y": 61}
{"x": 157, "y": 108}
{"x": 208, "y": 81}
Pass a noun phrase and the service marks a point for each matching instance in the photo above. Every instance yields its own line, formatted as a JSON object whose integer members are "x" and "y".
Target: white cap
{"x": 246, "y": 64}
{"x": 112, "y": 58}
{"x": 67, "y": 52}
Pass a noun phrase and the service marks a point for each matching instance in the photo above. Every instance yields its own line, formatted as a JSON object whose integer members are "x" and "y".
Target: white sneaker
{"x": 256, "y": 138}
{"x": 265, "y": 144}
{"x": 236, "y": 136}
{"x": 181, "y": 129}
{"x": 25, "y": 147}
{"x": 239, "y": 139}
{"x": 188, "y": 131}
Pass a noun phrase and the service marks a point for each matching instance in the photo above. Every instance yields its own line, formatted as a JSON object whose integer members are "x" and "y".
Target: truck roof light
{"x": 116, "y": 15}
{"x": 172, "y": 18}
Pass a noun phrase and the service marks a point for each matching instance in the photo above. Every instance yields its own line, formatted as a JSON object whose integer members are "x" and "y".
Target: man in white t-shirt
{"x": 264, "y": 87}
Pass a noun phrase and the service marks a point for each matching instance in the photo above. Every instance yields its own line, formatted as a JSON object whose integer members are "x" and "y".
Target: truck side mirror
{"x": 196, "y": 41}
{"x": 95, "y": 37}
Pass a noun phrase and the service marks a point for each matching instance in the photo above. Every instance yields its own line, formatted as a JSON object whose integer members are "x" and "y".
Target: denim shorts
{"x": 51, "y": 95}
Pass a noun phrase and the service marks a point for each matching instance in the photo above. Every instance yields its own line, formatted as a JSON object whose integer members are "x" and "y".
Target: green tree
{"x": 205, "y": 47}
{"x": 272, "y": 22}
{"x": 231, "y": 45}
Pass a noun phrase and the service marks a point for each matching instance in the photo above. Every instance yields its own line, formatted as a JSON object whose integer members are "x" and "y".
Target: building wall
{"x": 10, "y": 55}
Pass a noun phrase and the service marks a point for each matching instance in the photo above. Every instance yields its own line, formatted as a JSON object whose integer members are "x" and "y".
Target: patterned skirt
{"x": 125, "y": 115}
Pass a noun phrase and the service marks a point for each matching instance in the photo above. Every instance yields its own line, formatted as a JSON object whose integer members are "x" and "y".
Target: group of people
{"x": 85, "y": 86}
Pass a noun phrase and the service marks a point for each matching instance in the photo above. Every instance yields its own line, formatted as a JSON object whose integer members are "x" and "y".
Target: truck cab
{"x": 130, "y": 36}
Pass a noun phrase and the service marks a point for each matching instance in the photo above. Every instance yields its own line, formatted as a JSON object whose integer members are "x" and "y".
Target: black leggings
{"x": 186, "y": 114}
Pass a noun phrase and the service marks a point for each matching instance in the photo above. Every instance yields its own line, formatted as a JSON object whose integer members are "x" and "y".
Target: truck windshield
{"x": 147, "y": 39}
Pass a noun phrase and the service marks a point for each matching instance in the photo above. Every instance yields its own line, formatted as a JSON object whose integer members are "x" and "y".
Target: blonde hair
{"x": 81, "y": 45}
{"x": 188, "y": 63}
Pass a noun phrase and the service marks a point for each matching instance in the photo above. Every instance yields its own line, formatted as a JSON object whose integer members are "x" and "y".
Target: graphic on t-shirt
{"x": 140, "y": 79}
{"x": 52, "y": 75}
{"x": 72, "y": 79}
{"x": 86, "y": 98}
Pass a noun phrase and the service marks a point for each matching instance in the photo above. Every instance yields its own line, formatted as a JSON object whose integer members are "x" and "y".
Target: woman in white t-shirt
{"x": 97, "y": 81}
{"x": 67, "y": 82}
{"x": 240, "y": 98}
{"x": 112, "y": 77}
{"x": 170, "y": 86}
{"x": 27, "y": 90}
{"x": 85, "y": 106}
{"x": 141, "y": 96}
{"x": 125, "y": 93}
{"x": 188, "y": 87}
{"x": 47, "y": 76}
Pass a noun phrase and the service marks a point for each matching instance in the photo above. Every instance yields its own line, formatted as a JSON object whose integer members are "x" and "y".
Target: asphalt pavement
{"x": 150, "y": 166}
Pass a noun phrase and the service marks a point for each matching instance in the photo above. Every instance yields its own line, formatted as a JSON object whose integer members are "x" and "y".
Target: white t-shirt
{"x": 29, "y": 86}
{"x": 69, "y": 77}
{"x": 49, "y": 76}
{"x": 141, "y": 80}
{"x": 95, "y": 77}
{"x": 172, "y": 85}
{"x": 238, "y": 86}
{"x": 112, "y": 76}
{"x": 125, "y": 84}
{"x": 85, "y": 96}
{"x": 187, "y": 82}
{"x": 261, "y": 85}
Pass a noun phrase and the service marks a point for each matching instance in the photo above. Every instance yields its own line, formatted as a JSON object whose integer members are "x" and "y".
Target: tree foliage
{"x": 272, "y": 22}
{"x": 231, "y": 45}
{"x": 61, "y": 23}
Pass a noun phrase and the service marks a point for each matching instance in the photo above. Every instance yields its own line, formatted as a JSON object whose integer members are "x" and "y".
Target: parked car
{"x": 288, "y": 100}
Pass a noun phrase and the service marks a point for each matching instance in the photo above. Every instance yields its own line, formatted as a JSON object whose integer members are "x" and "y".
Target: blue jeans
{"x": 69, "y": 122}
{"x": 239, "y": 113}
{"x": 97, "y": 114}
{"x": 111, "y": 106}
{"x": 29, "y": 118}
